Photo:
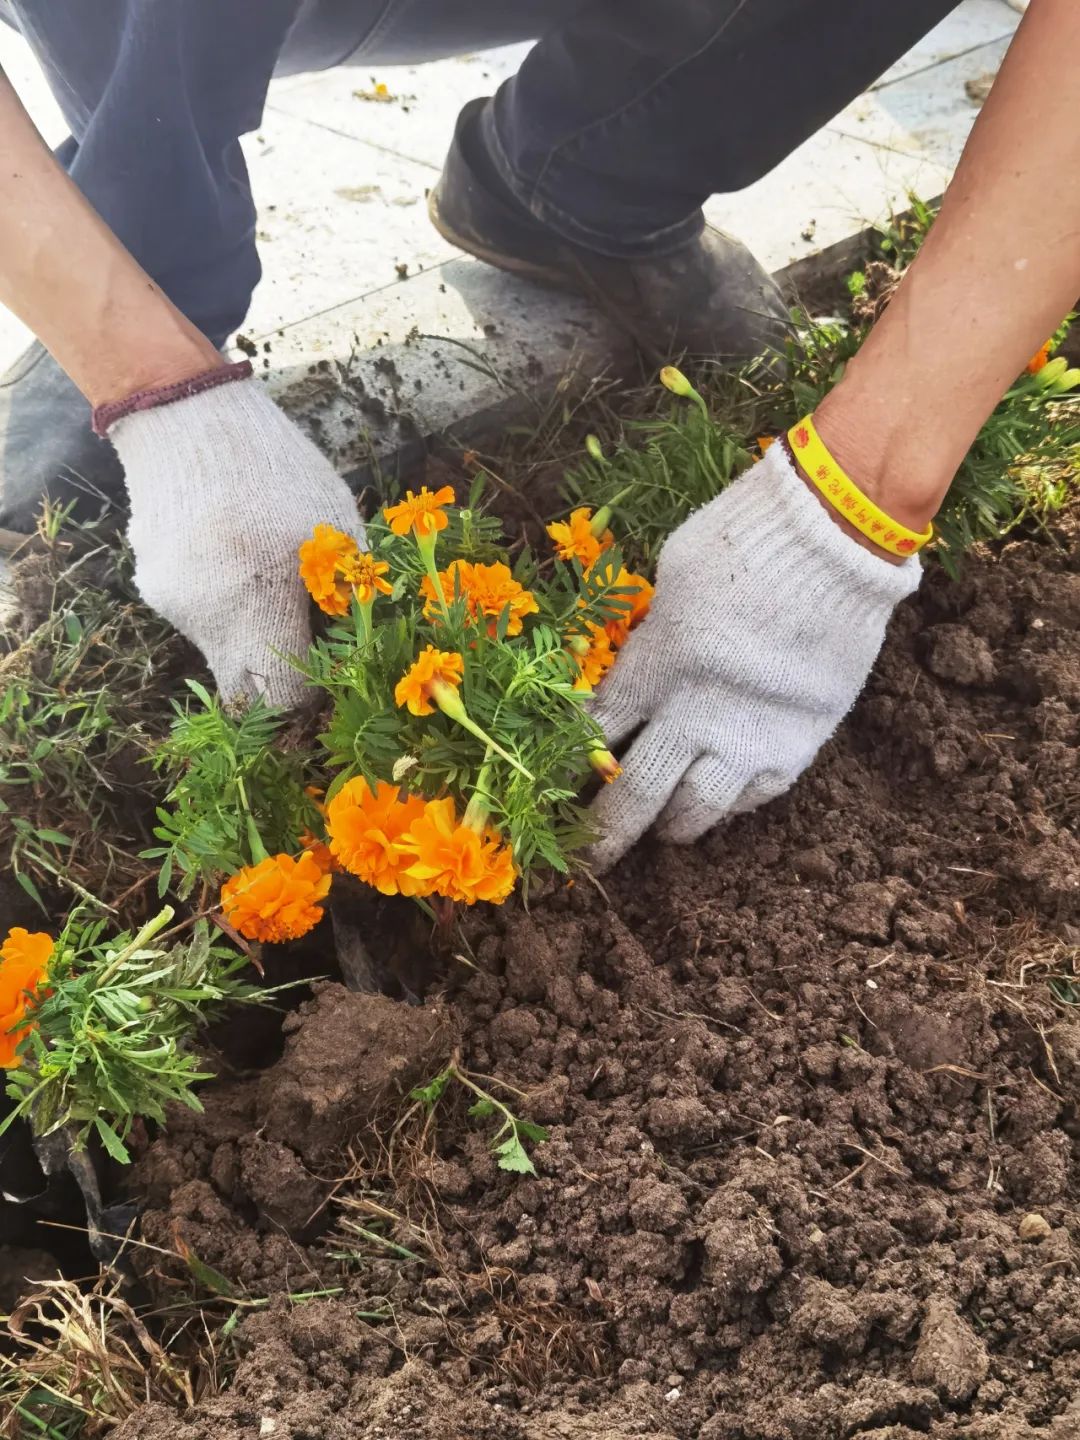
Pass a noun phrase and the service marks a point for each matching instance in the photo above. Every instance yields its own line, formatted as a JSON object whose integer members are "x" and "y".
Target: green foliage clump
{"x": 1024, "y": 462}
{"x": 83, "y": 698}
{"x": 662, "y": 470}
{"x": 236, "y": 791}
{"x": 114, "y": 1026}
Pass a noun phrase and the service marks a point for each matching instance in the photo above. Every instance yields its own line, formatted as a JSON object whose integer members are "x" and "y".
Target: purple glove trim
{"x": 106, "y": 415}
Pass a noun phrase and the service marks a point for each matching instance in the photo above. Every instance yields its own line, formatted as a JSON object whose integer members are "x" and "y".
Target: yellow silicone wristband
{"x": 846, "y": 498}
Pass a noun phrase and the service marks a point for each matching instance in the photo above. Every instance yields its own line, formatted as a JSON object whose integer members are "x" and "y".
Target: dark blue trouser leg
{"x": 624, "y": 118}
{"x": 406, "y": 32}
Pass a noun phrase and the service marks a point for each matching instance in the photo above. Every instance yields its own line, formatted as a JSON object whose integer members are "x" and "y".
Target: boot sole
{"x": 512, "y": 264}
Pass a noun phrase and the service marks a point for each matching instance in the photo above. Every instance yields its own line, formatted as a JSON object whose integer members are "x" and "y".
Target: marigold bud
{"x": 598, "y": 525}
{"x": 1066, "y": 382}
{"x": 674, "y": 380}
{"x": 605, "y": 765}
{"x": 1052, "y": 372}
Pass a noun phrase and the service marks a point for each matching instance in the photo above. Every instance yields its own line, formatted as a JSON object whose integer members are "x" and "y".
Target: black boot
{"x": 47, "y": 446}
{"x": 709, "y": 298}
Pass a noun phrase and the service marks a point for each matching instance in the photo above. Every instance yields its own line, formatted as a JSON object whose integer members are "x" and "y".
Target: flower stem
{"x": 258, "y": 849}
{"x": 365, "y": 621}
{"x": 467, "y": 724}
{"x": 426, "y": 545}
{"x": 449, "y": 702}
{"x": 602, "y": 519}
{"x": 147, "y": 933}
{"x": 426, "y": 908}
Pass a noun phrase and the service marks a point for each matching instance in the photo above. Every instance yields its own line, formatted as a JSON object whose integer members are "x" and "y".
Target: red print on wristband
{"x": 802, "y": 437}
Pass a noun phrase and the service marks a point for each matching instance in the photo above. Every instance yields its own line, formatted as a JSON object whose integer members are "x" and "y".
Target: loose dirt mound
{"x": 812, "y": 1096}
{"x": 348, "y": 1062}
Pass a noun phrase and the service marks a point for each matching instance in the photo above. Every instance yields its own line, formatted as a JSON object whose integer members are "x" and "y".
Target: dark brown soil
{"x": 807, "y": 1085}
{"x": 19, "y": 1269}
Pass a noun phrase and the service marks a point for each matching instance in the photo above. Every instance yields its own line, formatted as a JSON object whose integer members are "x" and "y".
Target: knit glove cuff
{"x": 105, "y": 416}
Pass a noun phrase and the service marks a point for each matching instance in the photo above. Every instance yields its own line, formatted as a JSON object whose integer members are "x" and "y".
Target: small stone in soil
{"x": 1034, "y": 1227}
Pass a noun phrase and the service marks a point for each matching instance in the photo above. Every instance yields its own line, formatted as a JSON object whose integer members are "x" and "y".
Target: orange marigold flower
{"x": 430, "y": 668}
{"x": 640, "y": 599}
{"x": 422, "y": 514}
{"x": 278, "y": 899}
{"x": 24, "y": 961}
{"x": 366, "y": 831}
{"x": 595, "y": 660}
{"x": 574, "y": 538}
{"x": 765, "y": 442}
{"x": 367, "y": 578}
{"x": 487, "y": 590}
{"x": 493, "y": 589}
{"x": 328, "y": 563}
{"x": 1040, "y": 358}
{"x": 452, "y": 859}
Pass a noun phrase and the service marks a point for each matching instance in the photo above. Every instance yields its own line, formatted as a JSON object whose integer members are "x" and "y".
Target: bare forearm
{"x": 66, "y": 276}
{"x": 997, "y": 273}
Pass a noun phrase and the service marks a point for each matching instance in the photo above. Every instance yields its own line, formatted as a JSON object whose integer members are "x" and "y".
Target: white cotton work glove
{"x": 224, "y": 489}
{"x": 766, "y": 621}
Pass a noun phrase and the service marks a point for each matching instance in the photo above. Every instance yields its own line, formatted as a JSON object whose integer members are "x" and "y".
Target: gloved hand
{"x": 223, "y": 489}
{"x": 766, "y": 620}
